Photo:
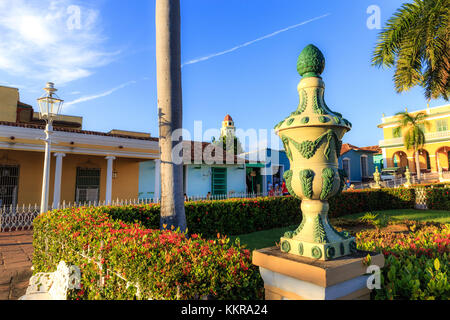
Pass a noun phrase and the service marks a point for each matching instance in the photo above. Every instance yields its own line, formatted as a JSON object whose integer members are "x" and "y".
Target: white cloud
{"x": 253, "y": 41}
{"x": 11, "y": 85}
{"x": 67, "y": 105}
{"x": 41, "y": 40}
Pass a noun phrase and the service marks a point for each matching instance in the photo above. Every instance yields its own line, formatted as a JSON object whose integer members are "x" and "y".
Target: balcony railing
{"x": 429, "y": 137}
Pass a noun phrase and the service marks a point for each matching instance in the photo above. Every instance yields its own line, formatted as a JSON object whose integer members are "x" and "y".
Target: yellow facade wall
{"x": 125, "y": 186}
{"x": 437, "y": 148}
{"x": 8, "y": 104}
{"x": 431, "y": 148}
{"x": 430, "y": 127}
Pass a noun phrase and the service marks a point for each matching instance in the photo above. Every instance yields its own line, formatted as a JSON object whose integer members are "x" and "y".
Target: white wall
{"x": 236, "y": 179}
{"x": 198, "y": 181}
{"x": 146, "y": 179}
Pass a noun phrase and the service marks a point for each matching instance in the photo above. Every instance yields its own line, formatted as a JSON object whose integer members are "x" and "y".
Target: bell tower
{"x": 228, "y": 129}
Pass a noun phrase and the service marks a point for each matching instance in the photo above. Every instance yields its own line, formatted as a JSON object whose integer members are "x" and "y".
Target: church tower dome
{"x": 228, "y": 128}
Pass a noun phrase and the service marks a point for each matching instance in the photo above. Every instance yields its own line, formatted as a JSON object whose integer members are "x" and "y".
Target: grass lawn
{"x": 268, "y": 238}
{"x": 263, "y": 239}
{"x": 411, "y": 214}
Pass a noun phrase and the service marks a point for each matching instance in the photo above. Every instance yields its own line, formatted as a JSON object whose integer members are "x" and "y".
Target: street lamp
{"x": 50, "y": 106}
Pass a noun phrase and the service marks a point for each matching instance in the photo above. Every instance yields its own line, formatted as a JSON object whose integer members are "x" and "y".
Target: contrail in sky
{"x": 253, "y": 41}
{"x": 99, "y": 95}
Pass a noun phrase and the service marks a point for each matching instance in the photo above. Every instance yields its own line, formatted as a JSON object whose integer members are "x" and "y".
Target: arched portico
{"x": 443, "y": 159}
{"x": 400, "y": 159}
{"x": 424, "y": 160}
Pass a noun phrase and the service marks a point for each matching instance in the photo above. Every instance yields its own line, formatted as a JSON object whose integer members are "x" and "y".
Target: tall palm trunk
{"x": 168, "y": 60}
{"x": 417, "y": 164}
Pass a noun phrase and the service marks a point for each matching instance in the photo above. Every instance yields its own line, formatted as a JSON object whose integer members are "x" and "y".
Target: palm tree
{"x": 416, "y": 41}
{"x": 170, "y": 110}
{"x": 229, "y": 144}
{"x": 413, "y": 134}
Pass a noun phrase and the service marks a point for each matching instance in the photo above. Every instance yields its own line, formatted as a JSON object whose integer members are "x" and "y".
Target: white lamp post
{"x": 50, "y": 106}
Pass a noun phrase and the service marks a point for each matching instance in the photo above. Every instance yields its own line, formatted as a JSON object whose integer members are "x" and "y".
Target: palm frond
{"x": 416, "y": 42}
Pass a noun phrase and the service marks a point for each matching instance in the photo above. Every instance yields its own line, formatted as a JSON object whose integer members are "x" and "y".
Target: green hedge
{"x": 357, "y": 201}
{"x": 156, "y": 264}
{"x": 230, "y": 217}
{"x": 241, "y": 216}
{"x": 438, "y": 198}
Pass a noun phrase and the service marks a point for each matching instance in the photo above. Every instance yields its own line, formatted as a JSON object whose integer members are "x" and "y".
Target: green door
{"x": 219, "y": 181}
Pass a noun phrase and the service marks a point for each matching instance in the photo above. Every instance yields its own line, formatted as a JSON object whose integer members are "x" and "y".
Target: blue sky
{"x": 104, "y": 63}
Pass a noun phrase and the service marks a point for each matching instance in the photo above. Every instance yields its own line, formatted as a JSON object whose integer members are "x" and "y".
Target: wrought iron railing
{"x": 429, "y": 137}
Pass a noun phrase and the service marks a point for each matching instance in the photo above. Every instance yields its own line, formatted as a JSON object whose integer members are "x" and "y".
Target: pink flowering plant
{"x": 438, "y": 198}
{"x": 121, "y": 260}
{"x": 417, "y": 262}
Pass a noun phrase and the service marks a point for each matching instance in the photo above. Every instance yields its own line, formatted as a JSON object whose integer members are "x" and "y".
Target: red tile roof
{"x": 375, "y": 149}
{"x": 56, "y": 128}
{"x": 346, "y": 147}
{"x": 206, "y": 152}
{"x": 228, "y": 118}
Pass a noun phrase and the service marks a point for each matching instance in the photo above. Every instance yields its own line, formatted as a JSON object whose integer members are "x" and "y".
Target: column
{"x": 385, "y": 159}
{"x": 57, "y": 186}
{"x": 264, "y": 173}
{"x": 46, "y": 173}
{"x": 109, "y": 174}
{"x": 186, "y": 180}
{"x": 157, "y": 178}
{"x": 433, "y": 164}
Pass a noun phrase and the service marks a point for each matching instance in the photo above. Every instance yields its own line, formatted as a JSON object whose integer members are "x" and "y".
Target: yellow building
{"x": 434, "y": 156}
{"x": 85, "y": 165}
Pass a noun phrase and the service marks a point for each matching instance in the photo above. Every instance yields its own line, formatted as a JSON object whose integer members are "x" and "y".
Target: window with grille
{"x": 364, "y": 167}
{"x": 442, "y": 125}
{"x": 87, "y": 185}
{"x": 346, "y": 167}
{"x": 9, "y": 185}
{"x": 396, "y": 133}
{"x": 219, "y": 181}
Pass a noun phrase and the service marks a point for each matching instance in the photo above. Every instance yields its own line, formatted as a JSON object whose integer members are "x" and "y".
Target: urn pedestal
{"x": 291, "y": 277}
{"x": 408, "y": 178}
{"x": 377, "y": 178}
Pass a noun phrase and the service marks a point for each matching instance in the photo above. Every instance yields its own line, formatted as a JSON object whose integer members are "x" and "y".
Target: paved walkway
{"x": 16, "y": 249}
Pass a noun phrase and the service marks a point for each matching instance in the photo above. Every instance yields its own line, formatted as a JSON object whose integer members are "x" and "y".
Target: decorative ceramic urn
{"x": 408, "y": 178}
{"x": 312, "y": 137}
{"x": 377, "y": 178}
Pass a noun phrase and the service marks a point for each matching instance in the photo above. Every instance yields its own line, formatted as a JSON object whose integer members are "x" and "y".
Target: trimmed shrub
{"x": 438, "y": 198}
{"x": 230, "y": 217}
{"x": 357, "y": 201}
{"x": 242, "y": 216}
{"x": 156, "y": 264}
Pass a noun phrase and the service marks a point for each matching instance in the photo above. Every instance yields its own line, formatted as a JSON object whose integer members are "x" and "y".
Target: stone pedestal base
{"x": 318, "y": 251}
{"x": 290, "y": 277}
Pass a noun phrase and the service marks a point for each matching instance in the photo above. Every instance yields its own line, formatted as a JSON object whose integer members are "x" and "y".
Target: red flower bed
{"x": 417, "y": 263}
{"x": 155, "y": 264}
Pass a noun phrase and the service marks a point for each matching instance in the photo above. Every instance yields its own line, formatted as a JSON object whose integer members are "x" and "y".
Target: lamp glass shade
{"x": 49, "y": 104}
